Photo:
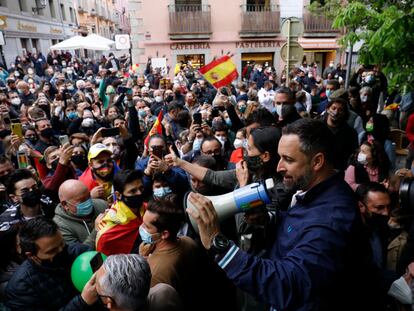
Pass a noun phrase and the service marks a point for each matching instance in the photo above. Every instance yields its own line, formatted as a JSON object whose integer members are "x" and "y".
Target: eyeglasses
{"x": 281, "y": 103}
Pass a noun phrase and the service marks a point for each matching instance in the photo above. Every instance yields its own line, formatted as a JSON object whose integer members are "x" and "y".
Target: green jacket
{"x": 78, "y": 230}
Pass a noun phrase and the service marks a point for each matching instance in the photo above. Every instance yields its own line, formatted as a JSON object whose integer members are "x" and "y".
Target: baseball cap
{"x": 96, "y": 150}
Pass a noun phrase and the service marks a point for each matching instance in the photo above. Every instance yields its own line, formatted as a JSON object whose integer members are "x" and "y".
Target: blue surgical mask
{"x": 328, "y": 93}
{"x": 84, "y": 208}
{"x": 72, "y": 115}
{"x": 197, "y": 144}
{"x": 142, "y": 113}
{"x": 146, "y": 237}
{"x": 228, "y": 122}
{"x": 161, "y": 192}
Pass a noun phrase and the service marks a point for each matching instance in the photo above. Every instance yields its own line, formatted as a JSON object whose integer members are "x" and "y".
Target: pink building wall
{"x": 121, "y": 6}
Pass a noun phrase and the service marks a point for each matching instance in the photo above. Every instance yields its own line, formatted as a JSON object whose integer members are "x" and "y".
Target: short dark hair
{"x": 363, "y": 190}
{"x": 33, "y": 230}
{"x": 206, "y": 161}
{"x": 170, "y": 216}
{"x": 157, "y": 136}
{"x": 285, "y": 90}
{"x": 314, "y": 137}
{"x": 174, "y": 105}
{"x": 17, "y": 176}
{"x": 124, "y": 177}
{"x": 262, "y": 116}
{"x": 209, "y": 138}
{"x": 4, "y": 159}
{"x": 267, "y": 139}
{"x": 341, "y": 101}
{"x": 334, "y": 83}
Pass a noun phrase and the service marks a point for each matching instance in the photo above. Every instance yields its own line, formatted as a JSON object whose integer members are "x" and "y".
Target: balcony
{"x": 82, "y": 6}
{"x": 318, "y": 26}
{"x": 189, "y": 21}
{"x": 260, "y": 21}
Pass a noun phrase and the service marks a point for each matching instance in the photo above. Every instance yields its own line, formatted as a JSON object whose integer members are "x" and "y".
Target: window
{"x": 52, "y": 8}
{"x": 35, "y": 45}
{"x": 3, "y": 3}
{"x": 23, "y": 6}
{"x": 257, "y": 5}
{"x": 62, "y": 11}
{"x": 187, "y": 2}
{"x": 72, "y": 16}
{"x": 24, "y": 43}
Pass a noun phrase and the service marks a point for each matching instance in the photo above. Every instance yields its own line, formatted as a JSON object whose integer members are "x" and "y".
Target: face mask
{"x": 310, "y": 76}
{"x": 20, "y": 91}
{"x": 31, "y": 198}
{"x": 142, "y": 113}
{"x": 63, "y": 64}
{"x": 259, "y": 70}
{"x": 79, "y": 159}
{"x": 158, "y": 99}
{"x": 228, "y": 122}
{"x": 71, "y": 88}
{"x": 88, "y": 122}
{"x": 169, "y": 98}
{"x": 328, "y": 93}
{"x": 253, "y": 163}
{"x": 54, "y": 164}
{"x": 32, "y": 140}
{"x": 362, "y": 158}
{"x": 377, "y": 221}
{"x": 369, "y": 79}
{"x": 60, "y": 262}
{"x": 331, "y": 65}
{"x": 242, "y": 109}
{"x": 72, "y": 115}
{"x": 197, "y": 144}
{"x": 146, "y": 237}
{"x": 4, "y": 133}
{"x": 16, "y": 101}
{"x": 30, "y": 71}
{"x": 133, "y": 201}
{"x": 222, "y": 140}
{"x": 278, "y": 109}
{"x": 147, "y": 84}
{"x": 17, "y": 74}
{"x": 84, "y": 208}
{"x": 98, "y": 80}
{"x": 218, "y": 158}
{"x": 238, "y": 143}
{"x": 47, "y": 133}
{"x": 401, "y": 291}
{"x": 364, "y": 98}
{"x": 369, "y": 127}
{"x": 161, "y": 192}
{"x": 69, "y": 72}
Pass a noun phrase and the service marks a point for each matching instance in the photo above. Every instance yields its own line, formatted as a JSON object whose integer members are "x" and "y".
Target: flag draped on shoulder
{"x": 118, "y": 230}
{"x": 156, "y": 128}
{"x": 220, "y": 72}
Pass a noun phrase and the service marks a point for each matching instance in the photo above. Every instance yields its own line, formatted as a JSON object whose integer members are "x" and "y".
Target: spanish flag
{"x": 220, "y": 72}
{"x": 118, "y": 230}
{"x": 156, "y": 128}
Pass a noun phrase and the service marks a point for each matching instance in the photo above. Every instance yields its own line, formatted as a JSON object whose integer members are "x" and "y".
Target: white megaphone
{"x": 238, "y": 201}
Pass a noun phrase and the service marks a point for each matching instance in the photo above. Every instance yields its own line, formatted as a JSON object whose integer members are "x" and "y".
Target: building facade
{"x": 199, "y": 30}
{"x": 35, "y": 25}
{"x": 97, "y": 16}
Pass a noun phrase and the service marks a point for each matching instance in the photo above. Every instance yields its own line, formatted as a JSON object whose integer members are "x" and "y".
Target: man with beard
{"x": 310, "y": 265}
{"x": 44, "y": 131}
{"x": 43, "y": 281}
{"x": 28, "y": 201}
{"x": 100, "y": 172}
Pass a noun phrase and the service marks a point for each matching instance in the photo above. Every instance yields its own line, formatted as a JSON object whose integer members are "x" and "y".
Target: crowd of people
{"x": 95, "y": 156}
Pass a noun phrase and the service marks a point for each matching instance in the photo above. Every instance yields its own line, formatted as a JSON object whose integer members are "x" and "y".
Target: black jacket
{"x": 33, "y": 287}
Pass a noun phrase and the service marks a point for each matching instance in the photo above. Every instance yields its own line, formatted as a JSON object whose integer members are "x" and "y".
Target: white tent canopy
{"x": 94, "y": 38}
{"x": 79, "y": 42}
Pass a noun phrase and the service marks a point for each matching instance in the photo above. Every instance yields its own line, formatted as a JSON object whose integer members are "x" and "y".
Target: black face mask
{"x": 31, "y": 198}
{"x": 54, "y": 164}
{"x": 79, "y": 160}
{"x": 219, "y": 159}
{"x": 59, "y": 262}
{"x": 169, "y": 98}
{"x": 33, "y": 140}
{"x": 47, "y": 133}
{"x": 4, "y": 133}
{"x": 377, "y": 221}
{"x": 89, "y": 90}
{"x": 133, "y": 201}
{"x": 254, "y": 163}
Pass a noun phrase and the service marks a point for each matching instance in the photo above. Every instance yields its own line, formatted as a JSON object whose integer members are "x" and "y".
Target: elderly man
{"x": 76, "y": 213}
{"x": 123, "y": 283}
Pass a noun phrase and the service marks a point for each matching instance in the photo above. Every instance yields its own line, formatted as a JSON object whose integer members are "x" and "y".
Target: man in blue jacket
{"x": 311, "y": 262}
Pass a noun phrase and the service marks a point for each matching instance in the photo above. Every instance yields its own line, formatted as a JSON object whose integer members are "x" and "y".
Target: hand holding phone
{"x": 17, "y": 129}
{"x": 197, "y": 118}
{"x": 63, "y": 139}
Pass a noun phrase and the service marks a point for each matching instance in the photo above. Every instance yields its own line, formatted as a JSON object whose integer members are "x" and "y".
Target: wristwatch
{"x": 220, "y": 244}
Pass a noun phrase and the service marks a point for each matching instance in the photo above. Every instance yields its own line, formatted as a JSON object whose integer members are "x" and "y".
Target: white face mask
{"x": 401, "y": 291}
{"x": 362, "y": 158}
{"x": 30, "y": 71}
{"x": 88, "y": 122}
{"x": 222, "y": 140}
{"x": 147, "y": 84}
{"x": 279, "y": 110}
{"x": 16, "y": 101}
{"x": 158, "y": 99}
{"x": 364, "y": 98}
{"x": 238, "y": 143}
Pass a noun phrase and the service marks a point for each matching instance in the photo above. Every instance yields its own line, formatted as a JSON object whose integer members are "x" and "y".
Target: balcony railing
{"x": 318, "y": 25}
{"x": 260, "y": 21}
{"x": 190, "y": 21}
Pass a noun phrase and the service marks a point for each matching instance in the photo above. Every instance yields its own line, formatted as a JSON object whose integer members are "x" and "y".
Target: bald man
{"x": 27, "y": 98}
{"x": 76, "y": 213}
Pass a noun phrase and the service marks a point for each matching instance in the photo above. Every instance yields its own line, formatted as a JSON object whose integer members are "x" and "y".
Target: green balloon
{"x": 81, "y": 270}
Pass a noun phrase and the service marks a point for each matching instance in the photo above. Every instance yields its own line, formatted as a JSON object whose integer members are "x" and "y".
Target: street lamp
{"x": 40, "y": 5}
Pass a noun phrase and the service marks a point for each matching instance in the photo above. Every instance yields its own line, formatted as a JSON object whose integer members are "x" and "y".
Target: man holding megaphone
{"x": 309, "y": 265}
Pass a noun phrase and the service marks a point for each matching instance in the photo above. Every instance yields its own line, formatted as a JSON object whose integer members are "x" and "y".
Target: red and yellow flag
{"x": 155, "y": 129}
{"x": 220, "y": 72}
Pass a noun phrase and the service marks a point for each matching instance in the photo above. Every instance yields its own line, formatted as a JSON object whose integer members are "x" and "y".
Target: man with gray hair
{"x": 123, "y": 283}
